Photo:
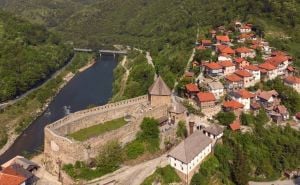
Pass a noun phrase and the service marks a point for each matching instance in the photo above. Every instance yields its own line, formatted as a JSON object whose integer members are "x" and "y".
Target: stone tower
{"x": 159, "y": 93}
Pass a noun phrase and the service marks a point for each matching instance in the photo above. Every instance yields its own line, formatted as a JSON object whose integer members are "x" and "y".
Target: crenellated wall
{"x": 58, "y": 147}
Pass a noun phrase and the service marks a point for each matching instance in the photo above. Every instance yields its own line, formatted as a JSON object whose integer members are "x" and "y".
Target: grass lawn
{"x": 96, "y": 130}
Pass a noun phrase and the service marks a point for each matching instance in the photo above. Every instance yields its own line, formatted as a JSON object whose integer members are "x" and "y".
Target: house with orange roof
{"x": 240, "y": 63}
{"x": 293, "y": 81}
{"x": 16, "y": 175}
{"x": 245, "y": 29}
{"x": 235, "y": 126}
{"x": 206, "y": 43}
{"x": 268, "y": 71}
{"x": 191, "y": 89}
{"x": 246, "y": 36}
{"x": 245, "y": 52}
{"x": 233, "y": 106}
{"x": 280, "y": 62}
{"x": 223, "y": 49}
{"x": 213, "y": 69}
{"x": 233, "y": 82}
{"x": 206, "y": 100}
{"x": 244, "y": 97}
{"x": 223, "y": 39}
{"x": 254, "y": 70}
{"x": 224, "y": 57}
{"x": 248, "y": 78}
{"x": 227, "y": 66}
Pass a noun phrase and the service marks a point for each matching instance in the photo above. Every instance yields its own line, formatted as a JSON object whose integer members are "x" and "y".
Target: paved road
{"x": 133, "y": 175}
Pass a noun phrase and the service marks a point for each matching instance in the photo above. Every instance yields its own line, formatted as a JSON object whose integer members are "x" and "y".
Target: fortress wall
{"x": 60, "y": 148}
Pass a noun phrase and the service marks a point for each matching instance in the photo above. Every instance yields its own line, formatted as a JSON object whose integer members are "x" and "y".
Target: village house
{"x": 214, "y": 131}
{"x": 190, "y": 153}
{"x": 223, "y": 39}
{"x": 240, "y": 63}
{"x": 245, "y": 29}
{"x": 228, "y": 67}
{"x": 235, "y": 126}
{"x": 213, "y": 69}
{"x": 206, "y": 43}
{"x": 290, "y": 71}
{"x": 225, "y": 50}
{"x": 159, "y": 93}
{"x": 254, "y": 70}
{"x": 293, "y": 81}
{"x": 191, "y": 90}
{"x": 206, "y": 100}
{"x": 268, "y": 71}
{"x": 279, "y": 114}
{"x": 248, "y": 78}
{"x": 224, "y": 57}
{"x": 233, "y": 106}
{"x": 233, "y": 82}
{"x": 245, "y": 37}
{"x": 267, "y": 98}
{"x": 243, "y": 96}
{"x": 189, "y": 75}
{"x": 216, "y": 88}
{"x": 280, "y": 62}
{"x": 245, "y": 52}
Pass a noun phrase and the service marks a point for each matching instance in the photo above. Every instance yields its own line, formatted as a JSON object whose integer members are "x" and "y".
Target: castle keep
{"x": 61, "y": 149}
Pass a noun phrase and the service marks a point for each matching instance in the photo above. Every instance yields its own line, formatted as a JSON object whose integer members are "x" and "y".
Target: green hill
{"x": 29, "y": 54}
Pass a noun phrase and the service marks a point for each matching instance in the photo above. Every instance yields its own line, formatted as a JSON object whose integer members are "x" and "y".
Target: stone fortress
{"x": 60, "y": 149}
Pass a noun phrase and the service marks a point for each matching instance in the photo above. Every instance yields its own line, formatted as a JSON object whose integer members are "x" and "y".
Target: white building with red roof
{"x": 206, "y": 100}
{"x": 213, "y": 69}
{"x": 248, "y": 78}
{"x": 245, "y": 29}
{"x": 280, "y": 62}
{"x": 293, "y": 82}
{"x": 223, "y": 39}
{"x": 240, "y": 63}
{"x": 245, "y": 52}
{"x": 227, "y": 66}
{"x": 254, "y": 70}
{"x": 244, "y": 97}
{"x": 268, "y": 71}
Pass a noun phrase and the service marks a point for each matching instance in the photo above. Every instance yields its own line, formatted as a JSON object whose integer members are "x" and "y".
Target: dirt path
{"x": 278, "y": 182}
{"x": 133, "y": 175}
{"x": 150, "y": 61}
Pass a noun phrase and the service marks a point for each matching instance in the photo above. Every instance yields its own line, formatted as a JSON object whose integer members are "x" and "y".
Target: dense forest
{"x": 29, "y": 54}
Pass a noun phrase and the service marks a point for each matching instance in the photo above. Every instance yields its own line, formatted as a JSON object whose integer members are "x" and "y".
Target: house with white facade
{"x": 245, "y": 29}
{"x": 280, "y": 62}
{"x": 268, "y": 71}
{"x": 244, "y": 97}
{"x": 228, "y": 67}
{"x": 216, "y": 88}
{"x": 214, "y": 131}
{"x": 293, "y": 82}
{"x": 186, "y": 156}
{"x": 245, "y": 52}
{"x": 254, "y": 70}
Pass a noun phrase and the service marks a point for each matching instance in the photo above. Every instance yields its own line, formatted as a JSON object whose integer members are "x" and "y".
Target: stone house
{"x": 191, "y": 89}
{"x": 247, "y": 77}
{"x": 245, "y": 52}
{"x": 267, "y": 98}
{"x": 233, "y": 82}
{"x": 214, "y": 131}
{"x": 254, "y": 70}
{"x": 159, "y": 93}
{"x": 279, "y": 114}
{"x": 216, "y": 88}
{"x": 240, "y": 63}
{"x": 213, "y": 69}
{"x": 206, "y": 100}
{"x": 186, "y": 156}
{"x": 228, "y": 67}
{"x": 293, "y": 81}
{"x": 268, "y": 71}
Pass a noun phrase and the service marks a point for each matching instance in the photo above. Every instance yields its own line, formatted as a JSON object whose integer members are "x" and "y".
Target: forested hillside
{"x": 167, "y": 28}
{"x": 28, "y": 55}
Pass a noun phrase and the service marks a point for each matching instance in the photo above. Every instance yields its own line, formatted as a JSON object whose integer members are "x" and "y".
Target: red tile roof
{"x": 236, "y": 125}
{"x": 239, "y": 60}
{"x": 292, "y": 80}
{"x": 9, "y": 176}
{"x": 244, "y": 36}
{"x": 276, "y": 53}
{"x": 201, "y": 48}
{"x": 233, "y": 104}
{"x": 206, "y": 97}
{"x": 243, "y": 73}
{"x": 206, "y": 42}
{"x": 252, "y": 68}
{"x": 226, "y": 63}
{"x": 193, "y": 88}
{"x": 213, "y": 65}
{"x": 290, "y": 68}
{"x": 223, "y": 38}
{"x": 189, "y": 74}
{"x": 245, "y": 27}
{"x": 243, "y": 50}
{"x": 275, "y": 61}
{"x": 225, "y": 49}
{"x": 267, "y": 66}
{"x": 233, "y": 78}
{"x": 243, "y": 93}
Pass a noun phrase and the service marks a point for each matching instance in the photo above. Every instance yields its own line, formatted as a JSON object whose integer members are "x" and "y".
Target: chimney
{"x": 191, "y": 124}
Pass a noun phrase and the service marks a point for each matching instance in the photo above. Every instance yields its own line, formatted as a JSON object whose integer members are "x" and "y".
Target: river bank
{"x": 62, "y": 74}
